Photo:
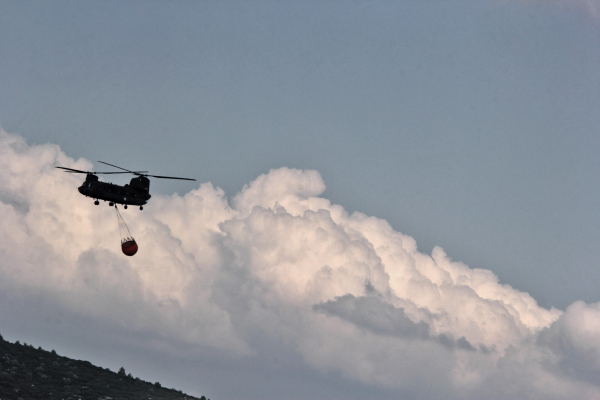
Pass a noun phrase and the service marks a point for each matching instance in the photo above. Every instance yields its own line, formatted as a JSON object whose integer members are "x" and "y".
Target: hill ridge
{"x": 27, "y": 373}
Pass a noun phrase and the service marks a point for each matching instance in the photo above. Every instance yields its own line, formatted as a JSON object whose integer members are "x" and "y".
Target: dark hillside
{"x": 27, "y": 373}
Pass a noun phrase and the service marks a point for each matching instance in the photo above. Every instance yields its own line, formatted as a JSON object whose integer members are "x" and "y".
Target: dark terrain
{"x": 28, "y": 373}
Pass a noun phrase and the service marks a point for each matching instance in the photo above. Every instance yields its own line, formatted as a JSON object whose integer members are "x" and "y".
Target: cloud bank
{"x": 279, "y": 264}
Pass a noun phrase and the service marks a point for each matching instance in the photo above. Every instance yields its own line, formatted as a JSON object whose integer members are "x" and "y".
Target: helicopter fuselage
{"x": 135, "y": 193}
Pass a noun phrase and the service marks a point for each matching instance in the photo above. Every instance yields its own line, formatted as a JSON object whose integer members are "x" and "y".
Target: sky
{"x": 393, "y": 199}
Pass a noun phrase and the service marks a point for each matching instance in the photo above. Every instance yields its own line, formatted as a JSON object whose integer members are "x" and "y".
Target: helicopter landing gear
{"x": 111, "y": 204}
{"x": 141, "y": 208}
{"x": 96, "y": 202}
{"x": 125, "y": 206}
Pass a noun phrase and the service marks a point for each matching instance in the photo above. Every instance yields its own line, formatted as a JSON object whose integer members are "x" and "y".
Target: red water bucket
{"x": 129, "y": 247}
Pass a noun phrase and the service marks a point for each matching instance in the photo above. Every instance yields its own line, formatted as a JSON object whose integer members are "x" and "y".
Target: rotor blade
{"x": 154, "y": 176}
{"x": 118, "y": 172}
{"x": 91, "y": 172}
{"x": 131, "y": 172}
{"x": 74, "y": 170}
{"x": 170, "y": 177}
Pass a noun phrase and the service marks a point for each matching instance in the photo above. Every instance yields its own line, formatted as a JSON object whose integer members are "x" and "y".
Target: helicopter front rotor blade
{"x": 75, "y": 170}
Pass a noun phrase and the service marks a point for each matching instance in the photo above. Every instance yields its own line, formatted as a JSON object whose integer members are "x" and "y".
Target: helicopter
{"x": 136, "y": 193}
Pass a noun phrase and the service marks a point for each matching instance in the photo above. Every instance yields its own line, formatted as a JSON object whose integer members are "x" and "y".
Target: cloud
{"x": 282, "y": 267}
{"x": 575, "y": 340}
{"x": 375, "y": 315}
{"x": 382, "y": 318}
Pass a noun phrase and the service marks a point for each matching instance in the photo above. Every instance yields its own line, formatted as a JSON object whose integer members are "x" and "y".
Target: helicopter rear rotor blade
{"x": 131, "y": 172}
{"x": 153, "y": 176}
{"x": 170, "y": 177}
{"x": 117, "y": 172}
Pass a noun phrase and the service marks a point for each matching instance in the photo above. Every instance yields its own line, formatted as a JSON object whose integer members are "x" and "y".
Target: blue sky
{"x": 468, "y": 125}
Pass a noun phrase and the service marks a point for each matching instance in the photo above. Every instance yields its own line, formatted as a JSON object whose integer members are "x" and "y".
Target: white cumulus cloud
{"x": 280, "y": 265}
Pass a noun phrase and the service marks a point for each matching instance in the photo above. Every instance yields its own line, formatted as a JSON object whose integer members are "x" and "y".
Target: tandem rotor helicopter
{"x": 136, "y": 193}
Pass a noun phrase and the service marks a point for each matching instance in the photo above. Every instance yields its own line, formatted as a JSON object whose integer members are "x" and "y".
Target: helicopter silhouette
{"x": 136, "y": 193}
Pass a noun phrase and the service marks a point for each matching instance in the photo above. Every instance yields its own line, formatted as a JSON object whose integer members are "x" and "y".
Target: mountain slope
{"x": 27, "y": 373}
